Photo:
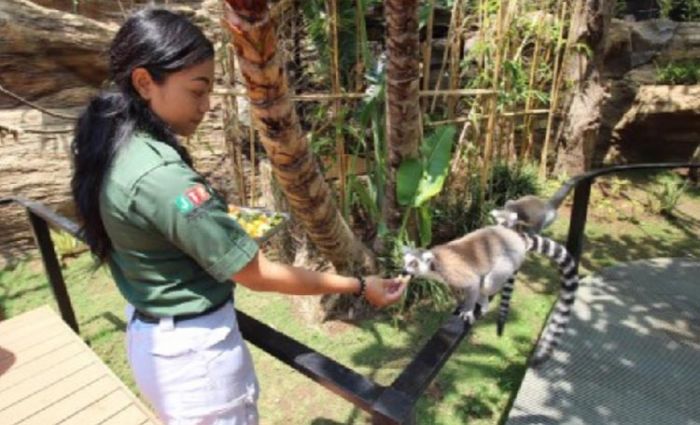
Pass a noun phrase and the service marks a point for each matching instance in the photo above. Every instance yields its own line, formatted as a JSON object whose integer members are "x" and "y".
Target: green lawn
{"x": 475, "y": 386}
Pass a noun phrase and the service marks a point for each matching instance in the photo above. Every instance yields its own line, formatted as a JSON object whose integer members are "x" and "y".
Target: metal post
{"x": 396, "y": 405}
{"x": 577, "y": 226}
{"x": 53, "y": 269}
{"x": 394, "y": 408}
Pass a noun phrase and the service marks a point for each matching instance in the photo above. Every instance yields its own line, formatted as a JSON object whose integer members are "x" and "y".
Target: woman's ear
{"x": 142, "y": 82}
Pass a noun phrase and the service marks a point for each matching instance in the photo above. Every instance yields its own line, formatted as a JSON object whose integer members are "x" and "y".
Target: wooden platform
{"x": 48, "y": 375}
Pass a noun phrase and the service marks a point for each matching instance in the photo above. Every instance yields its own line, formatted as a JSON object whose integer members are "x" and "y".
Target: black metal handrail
{"x": 388, "y": 405}
{"x": 581, "y": 185}
{"x": 393, "y": 404}
{"x": 39, "y": 215}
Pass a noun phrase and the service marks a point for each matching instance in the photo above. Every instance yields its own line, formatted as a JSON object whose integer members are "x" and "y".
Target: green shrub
{"x": 669, "y": 192}
{"x": 681, "y": 10}
{"x": 684, "y": 72}
{"x": 511, "y": 182}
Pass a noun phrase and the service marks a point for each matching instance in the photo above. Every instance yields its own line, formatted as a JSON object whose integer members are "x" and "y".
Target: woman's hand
{"x": 382, "y": 292}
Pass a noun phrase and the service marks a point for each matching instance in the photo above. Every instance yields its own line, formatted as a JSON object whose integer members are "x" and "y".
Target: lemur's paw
{"x": 467, "y": 316}
{"x": 484, "y": 304}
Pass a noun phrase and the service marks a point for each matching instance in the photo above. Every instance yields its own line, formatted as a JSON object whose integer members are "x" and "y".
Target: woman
{"x": 166, "y": 236}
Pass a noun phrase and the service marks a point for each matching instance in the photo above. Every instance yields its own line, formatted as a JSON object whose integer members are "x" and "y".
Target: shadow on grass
{"x": 9, "y": 294}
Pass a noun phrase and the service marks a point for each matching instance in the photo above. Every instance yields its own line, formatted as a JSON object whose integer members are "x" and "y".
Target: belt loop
{"x": 166, "y": 323}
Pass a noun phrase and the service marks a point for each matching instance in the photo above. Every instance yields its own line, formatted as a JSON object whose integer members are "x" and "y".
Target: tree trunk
{"x": 46, "y": 52}
{"x": 403, "y": 107}
{"x": 579, "y": 131}
{"x": 295, "y": 167}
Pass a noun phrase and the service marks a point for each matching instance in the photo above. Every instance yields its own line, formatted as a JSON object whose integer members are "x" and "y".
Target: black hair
{"x": 162, "y": 42}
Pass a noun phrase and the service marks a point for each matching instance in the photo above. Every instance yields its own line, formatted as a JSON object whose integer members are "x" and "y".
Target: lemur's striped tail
{"x": 562, "y": 310}
{"x": 506, "y": 294}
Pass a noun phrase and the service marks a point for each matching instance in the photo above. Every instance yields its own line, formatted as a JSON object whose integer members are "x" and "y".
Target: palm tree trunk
{"x": 578, "y": 135}
{"x": 403, "y": 84}
{"x": 294, "y": 166}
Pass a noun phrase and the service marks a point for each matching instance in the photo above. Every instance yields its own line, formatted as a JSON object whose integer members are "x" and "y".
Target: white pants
{"x": 194, "y": 372}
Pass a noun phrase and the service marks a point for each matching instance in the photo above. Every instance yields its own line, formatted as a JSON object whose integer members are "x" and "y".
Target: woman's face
{"x": 182, "y": 99}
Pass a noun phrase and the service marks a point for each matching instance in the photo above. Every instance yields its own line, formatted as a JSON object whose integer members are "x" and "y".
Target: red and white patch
{"x": 198, "y": 195}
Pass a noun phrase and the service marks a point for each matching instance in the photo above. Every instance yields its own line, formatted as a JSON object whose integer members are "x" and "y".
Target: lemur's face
{"x": 418, "y": 262}
{"x": 504, "y": 217}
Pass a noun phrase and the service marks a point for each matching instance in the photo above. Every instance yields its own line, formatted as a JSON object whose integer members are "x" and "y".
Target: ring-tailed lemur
{"x": 529, "y": 213}
{"x": 479, "y": 264}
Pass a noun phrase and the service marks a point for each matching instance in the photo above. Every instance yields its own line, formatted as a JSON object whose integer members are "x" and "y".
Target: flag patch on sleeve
{"x": 193, "y": 198}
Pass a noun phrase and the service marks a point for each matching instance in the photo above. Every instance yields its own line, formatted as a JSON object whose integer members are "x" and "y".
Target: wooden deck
{"x": 48, "y": 375}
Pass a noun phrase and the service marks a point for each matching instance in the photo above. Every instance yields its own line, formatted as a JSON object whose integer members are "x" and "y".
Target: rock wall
{"x": 61, "y": 74}
{"x": 37, "y": 166}
{"x": 644, "y": 121}
{"x": 662, "y": 125}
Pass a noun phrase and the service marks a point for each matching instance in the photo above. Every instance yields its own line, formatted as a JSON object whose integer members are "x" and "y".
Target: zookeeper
{"x": 173, "y": 250}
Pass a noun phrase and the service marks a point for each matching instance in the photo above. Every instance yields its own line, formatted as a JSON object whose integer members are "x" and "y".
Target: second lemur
{"x": 529, "y": 213}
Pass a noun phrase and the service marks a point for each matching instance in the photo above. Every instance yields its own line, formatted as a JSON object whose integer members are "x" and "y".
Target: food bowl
{"x": 260, "y": 224}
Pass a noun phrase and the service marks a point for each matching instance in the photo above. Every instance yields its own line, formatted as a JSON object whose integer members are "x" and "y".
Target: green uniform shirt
{"x": 175, "y": 247}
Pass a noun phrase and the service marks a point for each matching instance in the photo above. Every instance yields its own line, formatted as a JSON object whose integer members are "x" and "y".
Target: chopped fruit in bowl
{"x": 259, "y": 224}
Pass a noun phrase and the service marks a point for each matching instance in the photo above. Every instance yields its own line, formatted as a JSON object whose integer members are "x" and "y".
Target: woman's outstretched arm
{"x": 261, "y": 274}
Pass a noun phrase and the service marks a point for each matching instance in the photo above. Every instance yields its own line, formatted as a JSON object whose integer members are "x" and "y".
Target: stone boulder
{"x": 650, "y": 37}
{"x": 630, "y": 45}
{"x": 662, "y": 125}
{"x": 643, "y": 121}
{"x": 49, "y": 54}
{"x": 685, "y": 43}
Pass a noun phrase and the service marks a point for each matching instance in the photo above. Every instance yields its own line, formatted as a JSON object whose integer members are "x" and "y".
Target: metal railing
{"x": 388, "y": 405}
{"x": 581, "y": 185}
{"x": 393, "y": 404}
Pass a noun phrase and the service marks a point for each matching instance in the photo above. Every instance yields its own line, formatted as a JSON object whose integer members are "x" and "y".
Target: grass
{"x": 478, "y": 382}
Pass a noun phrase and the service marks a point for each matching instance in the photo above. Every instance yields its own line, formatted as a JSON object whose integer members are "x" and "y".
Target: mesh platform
{"x": 631, "y": 354}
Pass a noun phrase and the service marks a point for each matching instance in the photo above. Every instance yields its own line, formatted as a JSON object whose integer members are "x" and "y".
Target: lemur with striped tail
{"x": 529, "y": 213}
{"x": 481, "y": 263}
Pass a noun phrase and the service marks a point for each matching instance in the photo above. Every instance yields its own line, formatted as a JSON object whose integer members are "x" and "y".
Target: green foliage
{"x": 685, "y": 72}
{"x": 370, "y": 115}
{"x": 511, "y": 182}
{"x": 408, "y": 177}
{"x": 669, "y": 191}
{"x": 620, "y": 8}
{"x": 318, "y": 28}
{"x": 419, "y": 180}
{"x": 460, "y": 213}
{"x": 681, "y": 10}
{"x": 436, "y": 151}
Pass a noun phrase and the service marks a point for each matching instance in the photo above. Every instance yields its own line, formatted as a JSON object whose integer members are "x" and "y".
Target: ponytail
{"x": 101, "y": 130}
